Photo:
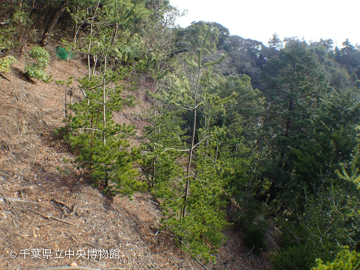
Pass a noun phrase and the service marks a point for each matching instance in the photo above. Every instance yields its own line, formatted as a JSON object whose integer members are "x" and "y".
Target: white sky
{"x": 259, "y": 19}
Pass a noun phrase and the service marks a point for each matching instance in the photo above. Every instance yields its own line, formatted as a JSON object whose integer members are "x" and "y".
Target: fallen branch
{"x": 202, "y": 264}
{"x": 10, "y": 206}
{"x": 22, "y": 236}
{"x": 44, "y": 109}
{"x": 2, "y": 75}
{"x": 70, "y": 267}
{"x": 4, "y": 215}
{"x": 48, "y": 217}
{"x": 250, "y": 251}
{"x": 66, "y": 210}
{"x": 81, "y": 178}
{"x": 4, "y": 199}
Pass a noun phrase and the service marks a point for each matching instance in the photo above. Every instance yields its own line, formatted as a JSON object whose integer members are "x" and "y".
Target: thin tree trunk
{"x": 91, "y": 31}
{"x": 187, "y": 186}
{"x": 115, "y": 34}
{"x": 76, "y": 32}
{"x": 66, "y": 126}
{"x": 92, "y": 126}
{"x": 104, "y": 102}
{"x": 95, "y": 62}
{"x": 287, "y": 132}
{"x": 32, "y": 8}
{"x": 65, "y": 92}
{"x": 154, "y": 147}
{"x": 53, "y": 22}
{"x": 288, "y": 121}
{"x": 92, "y": 137}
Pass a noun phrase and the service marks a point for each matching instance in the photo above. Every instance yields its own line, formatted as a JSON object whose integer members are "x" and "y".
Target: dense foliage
{"x": 271, "y": 131}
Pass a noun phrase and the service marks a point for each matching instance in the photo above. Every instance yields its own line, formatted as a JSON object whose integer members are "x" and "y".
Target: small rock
{"x": 74, "y": 264}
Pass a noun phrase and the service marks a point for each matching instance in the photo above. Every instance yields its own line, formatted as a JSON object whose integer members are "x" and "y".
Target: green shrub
{"x": 255, "y": 238}
{"x": 345, "y": 260}
{"x": 316, "y": 228}
{"x": 300, "y": 256}
{"x": 6, "y": 63}
{"x": 252, "y": 223}
{"x": 37, "y": 61}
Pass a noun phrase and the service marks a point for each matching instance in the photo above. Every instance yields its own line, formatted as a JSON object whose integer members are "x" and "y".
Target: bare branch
{"x": 2, "y": 200}
{"x": 179, "y": 150}
{"x": 185, "y": 150}
{"x": 201, "y": 141}
{"x": 95, "y": 129}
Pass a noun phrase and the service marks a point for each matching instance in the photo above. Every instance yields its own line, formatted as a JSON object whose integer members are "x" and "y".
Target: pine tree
{"x": 294, "y": 83}
{"x": 194, "y": 191}
{"x": 102, "y": 145}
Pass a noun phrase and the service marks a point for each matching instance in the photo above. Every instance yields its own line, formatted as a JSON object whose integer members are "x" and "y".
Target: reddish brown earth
{"x": 48, "y": 207}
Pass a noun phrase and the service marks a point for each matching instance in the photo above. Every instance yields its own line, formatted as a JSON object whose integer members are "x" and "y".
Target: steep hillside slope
{"x": 51, "y": 216}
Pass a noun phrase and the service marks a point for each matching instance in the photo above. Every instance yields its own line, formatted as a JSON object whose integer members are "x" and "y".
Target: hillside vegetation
{"x": 219, "y": 136}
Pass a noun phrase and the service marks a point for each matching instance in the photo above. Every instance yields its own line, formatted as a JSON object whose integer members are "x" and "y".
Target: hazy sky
{"x": 311, "y": 19}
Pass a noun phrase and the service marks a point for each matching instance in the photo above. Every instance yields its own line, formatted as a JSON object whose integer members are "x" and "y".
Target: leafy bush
{"x": 251, "y": 221}
{"x": 345, "y": 260}
{"x": 37, "y": 61}
{"x": 255, "y": 238}
{"x": 317, "y": 227}
{"x": 200, "y": 232}
{"x": 6, "y": 63}
{"x": 299, "y": 256}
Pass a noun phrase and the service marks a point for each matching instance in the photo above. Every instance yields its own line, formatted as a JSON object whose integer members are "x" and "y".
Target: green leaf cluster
{"x": 37, "y": 62}
{"x": 345, "y": 260}
{"x": 6, "y": 63}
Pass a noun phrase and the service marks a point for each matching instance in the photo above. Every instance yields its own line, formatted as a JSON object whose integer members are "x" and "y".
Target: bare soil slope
{"x": 49, "y": 214}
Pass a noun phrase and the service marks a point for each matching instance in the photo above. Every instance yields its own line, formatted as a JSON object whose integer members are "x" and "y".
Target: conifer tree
{"x": 102, "y": 145}
{"x": 196, "y": 189}
{"x": 311, "y": 133}
{"x": 294, "y": 83}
